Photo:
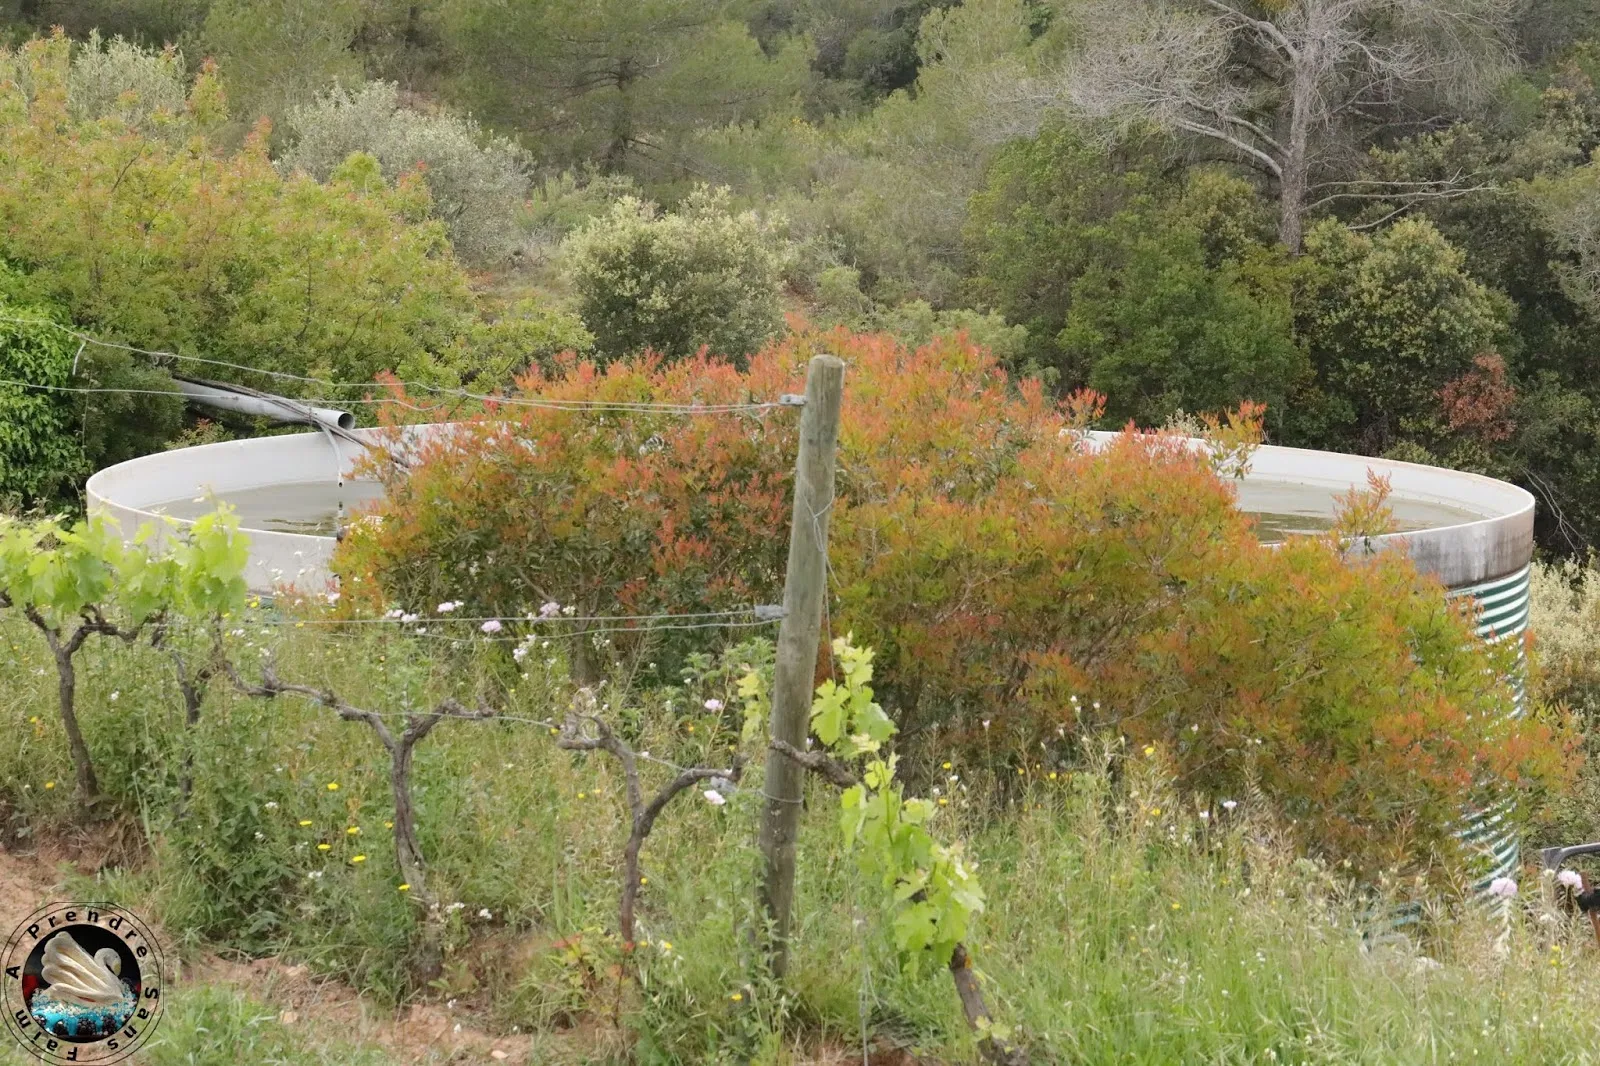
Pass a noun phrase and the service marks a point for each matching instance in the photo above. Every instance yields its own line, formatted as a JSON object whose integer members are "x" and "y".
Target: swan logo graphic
{"x": 81, "y": 983}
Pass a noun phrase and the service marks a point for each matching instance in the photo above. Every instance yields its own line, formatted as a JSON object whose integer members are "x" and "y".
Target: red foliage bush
{"x": 1022, "y": 589}
{"x": 1479, "y": 402}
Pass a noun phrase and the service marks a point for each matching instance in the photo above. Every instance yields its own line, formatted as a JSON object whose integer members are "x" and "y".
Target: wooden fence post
{"x": 805, "y": 586}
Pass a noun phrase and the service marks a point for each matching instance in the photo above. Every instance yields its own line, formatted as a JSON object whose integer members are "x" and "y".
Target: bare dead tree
{"x": 968, "y": 991}
{"x": 400, "y": 746}
{"x": 65, "y": 641}
{"x": 585, "y": 731}
{"x": 1278, "y": 86}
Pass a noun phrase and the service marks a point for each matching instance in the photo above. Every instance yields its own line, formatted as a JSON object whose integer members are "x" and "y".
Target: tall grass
{"x": 1123, "y": 926}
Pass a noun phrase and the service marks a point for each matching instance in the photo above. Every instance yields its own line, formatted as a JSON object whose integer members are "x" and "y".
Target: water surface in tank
{"x": 1280, "y": 508}
{"x": 312, "y": 507}
{"x": 1284, "y": 508}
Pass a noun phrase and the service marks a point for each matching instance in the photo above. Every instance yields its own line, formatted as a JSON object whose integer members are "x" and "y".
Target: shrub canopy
{"x": 1022, "y": 589}
{"x": 169, "y": 243}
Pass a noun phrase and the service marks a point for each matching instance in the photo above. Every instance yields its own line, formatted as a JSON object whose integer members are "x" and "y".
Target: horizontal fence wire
{"x": 545, "y": 403}
{"x": 595, "y": 625}
{"x": 763, "y": 613}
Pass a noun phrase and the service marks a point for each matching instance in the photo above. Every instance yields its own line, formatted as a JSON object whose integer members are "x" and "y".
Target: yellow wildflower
{"x": 946, "y": 765}
{"x": 305, "y": 821}
{"x": 358, "y": 858}
{"x": 49, "y": 784}
{"x": 666, "y": 945}
{"x": 324, "y": 847}
{"x": 737, "y": 997}
{"x": 333, "y": 786}
{"x": 404, "y": 888}
{"x": 353, "y": 831}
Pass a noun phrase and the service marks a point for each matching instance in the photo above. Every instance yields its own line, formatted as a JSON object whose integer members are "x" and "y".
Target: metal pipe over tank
{"x": 249, "y": 402}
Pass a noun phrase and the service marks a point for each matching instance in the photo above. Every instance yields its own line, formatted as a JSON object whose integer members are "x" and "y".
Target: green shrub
{"x": 841, "y": 301}
{"x": 40, "y": 455}
{"x": 1390, "y": 320}
{"x": 204, "y": 252}
{"x": 703, "y": 276}
{"x": 1019, "y": 591}
{"x": 477, "y": 181}
{"x": 144, "y": 89}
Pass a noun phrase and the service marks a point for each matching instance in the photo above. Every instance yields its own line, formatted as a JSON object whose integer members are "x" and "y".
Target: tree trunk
{"x": 428, "y": 956}
{"x": 622, "y": 122}
{"x": 630, "y": 885}
{"x": 67, "y": 674}
{"x": 194, "y": 695}
{"x": 585, "y": 671}
{"x": 976, "y": 1011}
{"x": 1296, "y": 165}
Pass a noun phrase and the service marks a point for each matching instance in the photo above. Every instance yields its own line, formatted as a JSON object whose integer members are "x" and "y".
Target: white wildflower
{"x": 713, "y": 797}
{"x": 492, "y": 626}
{"x": 713, "y": 705}
{"x": 1571, "y": 878}
{"x": 448, "y": 605}
{"x": 1504, "y": 887}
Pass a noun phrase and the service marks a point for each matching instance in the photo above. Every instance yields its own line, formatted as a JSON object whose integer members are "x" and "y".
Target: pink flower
{"x": 1571, "y": 878}
{"x": 1503, "y": 887}
{"x": 449, "y": 605}
{"x": 550, "y": 610}
{"x": 492, "y": 626}
{"x": 713, "y": 705}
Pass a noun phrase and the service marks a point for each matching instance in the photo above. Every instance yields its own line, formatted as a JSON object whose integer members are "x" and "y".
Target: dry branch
{"x": 64, "y": 646}
{"x": 408, "y": 851}
{"x": 588, "y": 732}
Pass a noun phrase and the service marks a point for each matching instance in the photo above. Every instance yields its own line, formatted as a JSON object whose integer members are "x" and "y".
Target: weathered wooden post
{"x": 805, "y": 585}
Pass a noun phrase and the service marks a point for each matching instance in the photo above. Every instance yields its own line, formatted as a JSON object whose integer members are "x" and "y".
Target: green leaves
{"x": 847, "y": 712}
{"x": 62, "y": 571}
{"x": 936, "y": 895}
{"x": 41, "y": 454}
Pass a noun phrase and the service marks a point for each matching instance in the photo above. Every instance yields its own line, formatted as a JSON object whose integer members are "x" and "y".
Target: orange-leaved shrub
{"x": 1023, "y": 587}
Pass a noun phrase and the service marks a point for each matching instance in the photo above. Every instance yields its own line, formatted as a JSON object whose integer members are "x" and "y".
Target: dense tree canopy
{"x": 1375, "y": 216}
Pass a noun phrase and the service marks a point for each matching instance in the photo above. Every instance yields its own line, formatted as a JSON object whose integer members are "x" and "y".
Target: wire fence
{"x": 446, "y": 626}
{"x": 542, "y": 403}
